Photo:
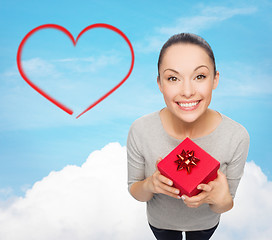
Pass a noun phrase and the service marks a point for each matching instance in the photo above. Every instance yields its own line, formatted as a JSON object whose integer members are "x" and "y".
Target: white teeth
{"x": 188, "y": 104}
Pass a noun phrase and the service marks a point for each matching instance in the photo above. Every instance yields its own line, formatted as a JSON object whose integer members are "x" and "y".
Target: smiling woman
{"x": 187, "y": 76}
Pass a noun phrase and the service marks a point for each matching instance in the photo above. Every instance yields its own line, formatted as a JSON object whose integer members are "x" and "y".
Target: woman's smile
{"x": 188, "y": 105}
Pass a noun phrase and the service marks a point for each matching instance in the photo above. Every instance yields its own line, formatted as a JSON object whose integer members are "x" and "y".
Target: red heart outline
{"x": 65, "y": 31}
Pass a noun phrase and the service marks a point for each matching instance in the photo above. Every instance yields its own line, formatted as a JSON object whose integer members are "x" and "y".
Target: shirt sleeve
{"x": 135, "y": 160}
{"x": 235, "y": 168}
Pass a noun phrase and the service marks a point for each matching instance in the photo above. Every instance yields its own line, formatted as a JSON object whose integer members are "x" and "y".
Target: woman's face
{"x": 187, "y": 80}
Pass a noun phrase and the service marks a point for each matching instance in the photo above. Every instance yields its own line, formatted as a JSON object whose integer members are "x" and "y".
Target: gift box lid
{"x": 206, "y": 166}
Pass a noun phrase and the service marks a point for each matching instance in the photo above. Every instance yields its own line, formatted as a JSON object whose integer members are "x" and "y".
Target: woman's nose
{"x": 188, "y": 88}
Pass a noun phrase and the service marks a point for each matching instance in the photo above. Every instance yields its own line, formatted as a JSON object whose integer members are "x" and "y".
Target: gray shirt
{"x": 148, "y": 140}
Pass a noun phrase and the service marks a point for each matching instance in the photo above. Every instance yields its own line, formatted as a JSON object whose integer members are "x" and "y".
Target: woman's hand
{"x": 216, "y": 193}
{"x": 157, "y": 183}
{"x": 144, "y": 190}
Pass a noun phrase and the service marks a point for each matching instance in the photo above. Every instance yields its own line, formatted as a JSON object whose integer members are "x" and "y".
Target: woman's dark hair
{"x": 188, "y": 38}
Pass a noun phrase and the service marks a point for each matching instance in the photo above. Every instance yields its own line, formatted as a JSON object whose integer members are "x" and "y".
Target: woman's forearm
{"x": 140, "y": 191}
{"x": 224, "y": 206}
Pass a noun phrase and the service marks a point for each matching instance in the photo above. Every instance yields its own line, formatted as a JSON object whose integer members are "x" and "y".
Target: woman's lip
{"x": 191, "y": 101}
{"x": 188, "y": 105}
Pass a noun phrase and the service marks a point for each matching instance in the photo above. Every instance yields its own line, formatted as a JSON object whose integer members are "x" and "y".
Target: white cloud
{"x": 6, "y": 191}
{"x": 42, "y": 68}
{"x": 205, "y": 19}
{"x": 87, "y": 202}
{"x": 75, "y": 82}
{"x": 92, "y": 202}
{"x": 88, "y": 59}
{"x": 150, "y": 44}
{"x": 89, "y": 64}
{"x": 38, "y": 67}
{"x": 243, "y": 80}
{"x": 250, "y": 219}
{"x": 7, "y": 194}
{"x": 24, "y": 108}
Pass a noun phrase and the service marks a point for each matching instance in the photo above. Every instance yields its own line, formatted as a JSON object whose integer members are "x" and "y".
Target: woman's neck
{"x": 179, "y": 129}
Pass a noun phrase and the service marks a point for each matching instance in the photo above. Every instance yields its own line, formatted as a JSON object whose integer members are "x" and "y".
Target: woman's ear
{"x": 216, "y": 80}
{"x": 159, "y": 83}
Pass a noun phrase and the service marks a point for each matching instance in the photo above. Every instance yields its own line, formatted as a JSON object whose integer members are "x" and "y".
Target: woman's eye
{"x": 200, "y": 77}
{"x": 172, "y": 79}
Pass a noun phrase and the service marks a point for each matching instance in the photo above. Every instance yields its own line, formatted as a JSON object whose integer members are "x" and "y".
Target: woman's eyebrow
{"x": 170, "y": 69}
{"x": 175, "y": 71}
{"x": 201, "y": 67}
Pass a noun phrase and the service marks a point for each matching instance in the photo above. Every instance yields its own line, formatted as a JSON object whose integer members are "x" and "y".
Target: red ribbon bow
{"x": 186, "y": 160}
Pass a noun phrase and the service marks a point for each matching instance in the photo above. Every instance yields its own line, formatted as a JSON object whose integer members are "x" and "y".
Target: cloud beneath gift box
{"x": 92, "y": 202}
{"x": 251, "y": 217}
{"x": 87, "y": 202}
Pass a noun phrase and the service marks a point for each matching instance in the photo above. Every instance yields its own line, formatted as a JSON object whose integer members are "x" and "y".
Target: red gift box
{"x": 188, "y": 178}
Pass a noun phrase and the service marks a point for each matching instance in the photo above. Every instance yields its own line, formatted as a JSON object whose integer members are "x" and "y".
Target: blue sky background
{"x": 36, "y": 137}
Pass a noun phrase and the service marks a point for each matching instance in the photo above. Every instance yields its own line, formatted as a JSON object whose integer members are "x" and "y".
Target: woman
{"x": 187, "y": 76}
